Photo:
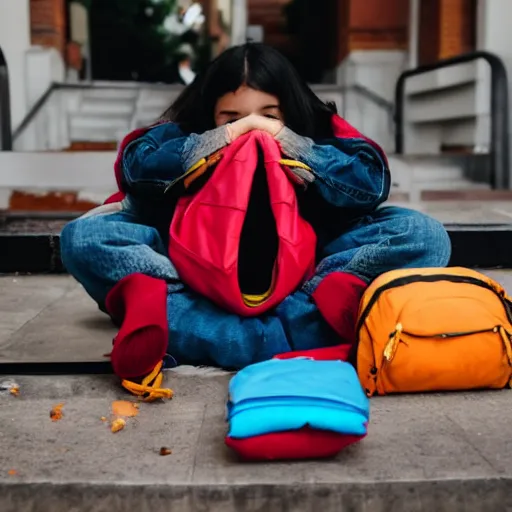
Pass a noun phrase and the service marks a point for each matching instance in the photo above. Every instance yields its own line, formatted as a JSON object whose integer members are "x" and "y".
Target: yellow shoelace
{"x": 150, "y": 388}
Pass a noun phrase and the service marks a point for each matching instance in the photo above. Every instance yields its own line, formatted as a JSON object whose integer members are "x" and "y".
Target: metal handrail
{"x": 499, "y": 145}
{"x": 33, "y": 111}
{"x": 372, "y": 96}
{"x": 5, "y": 107}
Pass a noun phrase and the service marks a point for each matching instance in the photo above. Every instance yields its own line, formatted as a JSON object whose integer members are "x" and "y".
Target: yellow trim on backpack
{"x": 294, "y": 163}
{"x": 194, "y": 167}
{"x": 204, "y": 163}
{"x": 254, "y": 301}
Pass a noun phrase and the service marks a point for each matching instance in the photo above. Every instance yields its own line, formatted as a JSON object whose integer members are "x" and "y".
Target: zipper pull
{"x": 392, "y": 345}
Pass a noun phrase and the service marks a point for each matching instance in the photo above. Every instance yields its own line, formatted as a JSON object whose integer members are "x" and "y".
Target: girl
{"x": 121, "y": 257}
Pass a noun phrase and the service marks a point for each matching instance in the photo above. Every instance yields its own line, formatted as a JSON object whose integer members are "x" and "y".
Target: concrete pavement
{"x": 447, "y": 452}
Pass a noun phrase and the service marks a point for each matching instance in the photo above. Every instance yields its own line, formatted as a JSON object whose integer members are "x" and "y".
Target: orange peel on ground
{"x": 117, "y": 425}
{"x": 56, "y": 412}
{"x": 125, "y": 408}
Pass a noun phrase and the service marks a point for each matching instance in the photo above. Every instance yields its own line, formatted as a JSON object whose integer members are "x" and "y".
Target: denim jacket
{"x": 350, "y": 172}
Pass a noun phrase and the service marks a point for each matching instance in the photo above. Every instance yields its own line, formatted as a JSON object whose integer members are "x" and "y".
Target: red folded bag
{"x": 240, "y": 240}
{"x": 305, "y": 443}
{"x": 338, "y": 352}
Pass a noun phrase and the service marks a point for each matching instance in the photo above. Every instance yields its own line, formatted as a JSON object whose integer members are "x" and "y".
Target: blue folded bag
{"x": 289, "y": 394}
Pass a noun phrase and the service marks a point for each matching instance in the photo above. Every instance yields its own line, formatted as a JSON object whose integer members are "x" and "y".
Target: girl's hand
{"x": 253, "y": 122}
{"x": 267, "y": 124}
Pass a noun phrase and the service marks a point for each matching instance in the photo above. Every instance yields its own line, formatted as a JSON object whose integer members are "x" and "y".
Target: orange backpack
{"x": 432, "y": 330}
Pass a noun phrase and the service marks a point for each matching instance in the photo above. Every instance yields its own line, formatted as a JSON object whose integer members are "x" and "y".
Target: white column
{"x": 15, "y": 41}
{"x": 239, "y": 22}
{"x": 414, "y": 32}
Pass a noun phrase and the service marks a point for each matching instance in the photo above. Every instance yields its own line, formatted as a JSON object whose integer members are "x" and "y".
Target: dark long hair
{"x": 260, "y": 67}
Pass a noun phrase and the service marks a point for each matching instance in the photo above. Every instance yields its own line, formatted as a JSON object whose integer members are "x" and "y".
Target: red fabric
{"x": 337, "y": 298}
{"x": 339, "y": 352}
{"x": 207, "y": 226}
{"x": 343, "y": 130}
{"x": 115, "y": 198}
{"x": 139, "y": 302}
{"x": 306, "y": 443}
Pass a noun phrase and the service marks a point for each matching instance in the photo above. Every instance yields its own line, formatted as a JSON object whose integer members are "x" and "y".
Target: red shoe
{"x": 337, "y": 297}
{"x": 139, "y": 302}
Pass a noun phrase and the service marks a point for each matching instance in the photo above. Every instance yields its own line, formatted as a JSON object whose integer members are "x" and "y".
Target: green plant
{"x": 128, "y": 40}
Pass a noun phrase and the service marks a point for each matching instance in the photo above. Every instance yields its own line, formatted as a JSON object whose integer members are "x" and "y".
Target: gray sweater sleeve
{"x": 202, "y": 146}
{"x": 298, "y": 148}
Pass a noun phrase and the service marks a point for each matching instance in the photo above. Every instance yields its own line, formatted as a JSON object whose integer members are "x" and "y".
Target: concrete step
{"x": 158, "y": 98}
{"x": 416, "y": 174}
{"x": 147, "y": 116}
{"x": 104, "y": 107}
{"x": 443, "y": 105}
{"x": 96, "y": 127}
{"x": 442, "y": 79}
{"x": 480, "y": 231}
{"x": 113, "y": 92}
{"x": 458, "y": 184}
{"x": 444, "y": 452}
{"x": 428, "y": 174}
{"x": 106, "y": 134}
{"x": 96, "y": 121}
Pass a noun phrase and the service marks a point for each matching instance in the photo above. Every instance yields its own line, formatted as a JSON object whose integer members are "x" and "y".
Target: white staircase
{"x": 98, "y": 112}
{"x": 439, "y": 108}
{"x": 415, "y": 174}
{"x": 448, "y": 107}
{"x": 101, "y": 114}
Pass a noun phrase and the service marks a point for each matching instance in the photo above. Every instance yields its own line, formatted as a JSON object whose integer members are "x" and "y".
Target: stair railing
{"x": 500, "y": 141}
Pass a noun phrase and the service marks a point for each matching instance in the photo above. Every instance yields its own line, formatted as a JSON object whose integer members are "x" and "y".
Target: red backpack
{"x": 240, "y": 240}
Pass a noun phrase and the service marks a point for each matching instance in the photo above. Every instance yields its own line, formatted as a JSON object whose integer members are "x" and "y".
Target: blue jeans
{"x": 99, "y": 250}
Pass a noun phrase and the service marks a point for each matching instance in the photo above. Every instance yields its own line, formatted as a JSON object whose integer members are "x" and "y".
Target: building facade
{"x": 368, "y": 42}
{"x": 356, "y": 48}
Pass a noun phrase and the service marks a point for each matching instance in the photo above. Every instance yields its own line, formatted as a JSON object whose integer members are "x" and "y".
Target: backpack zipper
{"x": 395, "y": 339}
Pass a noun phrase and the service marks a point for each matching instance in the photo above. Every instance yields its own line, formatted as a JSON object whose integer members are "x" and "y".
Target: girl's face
{"x": 243, "y": 102}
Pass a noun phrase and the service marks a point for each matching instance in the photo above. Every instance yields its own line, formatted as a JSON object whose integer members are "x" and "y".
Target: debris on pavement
{"x": 165, "y": 451}
{"x": 125, "y": 408}
{"x": 56, "y": 412}
{"x": 9, "y": 387}
{"x": 117, "y": 425}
